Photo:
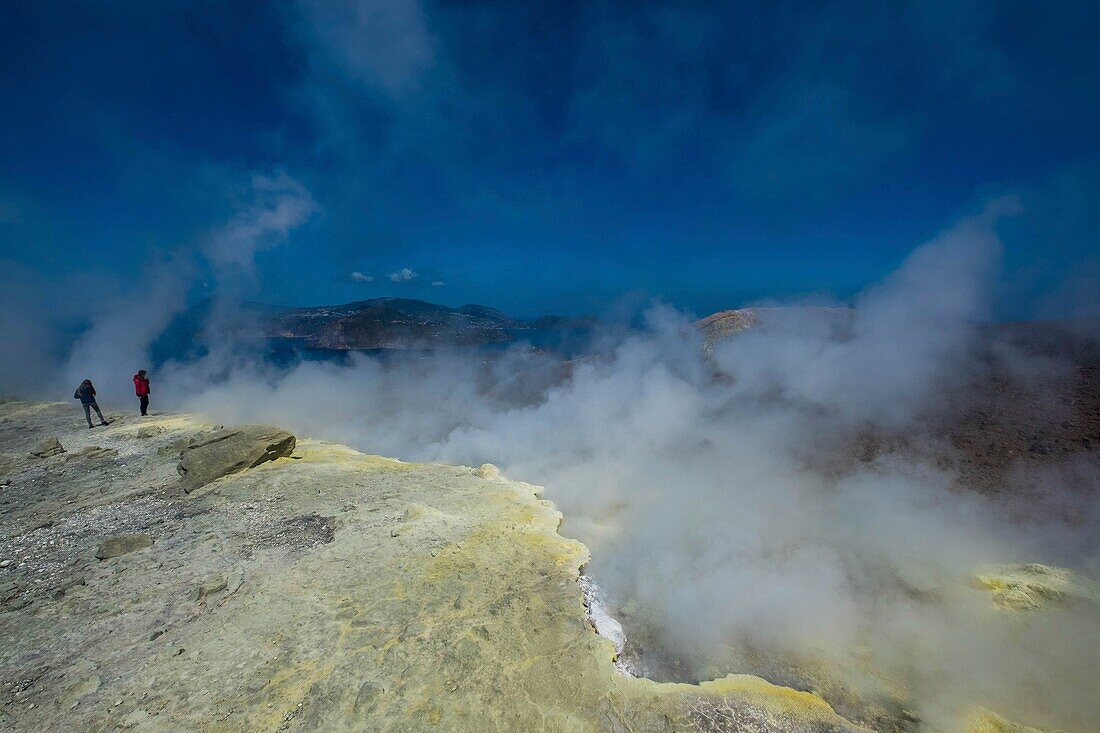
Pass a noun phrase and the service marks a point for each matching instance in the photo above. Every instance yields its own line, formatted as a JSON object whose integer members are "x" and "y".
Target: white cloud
{"x": 438, "y": 283}
{"x": 404, "y": 275}
{"x": 361, "y": 278}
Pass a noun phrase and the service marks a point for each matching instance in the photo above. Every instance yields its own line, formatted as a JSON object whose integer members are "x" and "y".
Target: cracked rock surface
{"x": 230, "y": 450}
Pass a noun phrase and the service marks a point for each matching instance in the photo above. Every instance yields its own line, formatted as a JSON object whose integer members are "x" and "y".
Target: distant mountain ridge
{"x": 401, "y": 323}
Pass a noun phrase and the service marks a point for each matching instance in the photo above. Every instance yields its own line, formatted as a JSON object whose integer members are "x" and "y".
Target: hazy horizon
{"x": 576, "y": 157}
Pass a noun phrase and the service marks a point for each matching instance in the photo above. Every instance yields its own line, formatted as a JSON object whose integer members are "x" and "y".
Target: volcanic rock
{"x": 487, "y": 471}
{"x": 233, "y": 581}
{"x": 209, "y": 588}
{"x": 1033, "y": 586}
{"x": 986, "y": 721}
{"x": 93, "y": 452}
{"x": 83, "y": 688}
{"x": 123, "y": 544}
{"x": 48, "y": 447}
{"x": 718, "y": 325}
{"x": 230, "y": 450}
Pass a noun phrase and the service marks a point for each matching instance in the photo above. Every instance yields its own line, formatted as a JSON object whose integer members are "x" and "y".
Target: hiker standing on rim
{"x": 86, "y": 394}
{"x": 141, "y": 389}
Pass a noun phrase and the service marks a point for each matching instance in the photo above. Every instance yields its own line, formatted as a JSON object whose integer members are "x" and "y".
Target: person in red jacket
{"x": 141, "y": 389}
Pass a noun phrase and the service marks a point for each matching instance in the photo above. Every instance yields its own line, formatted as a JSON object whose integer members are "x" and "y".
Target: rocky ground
{"x": 318, "y": 588}
{"x": 321, "y": 590}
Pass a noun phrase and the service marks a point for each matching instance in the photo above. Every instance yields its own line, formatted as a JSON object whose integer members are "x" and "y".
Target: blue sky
{"x": 553, "y": 157}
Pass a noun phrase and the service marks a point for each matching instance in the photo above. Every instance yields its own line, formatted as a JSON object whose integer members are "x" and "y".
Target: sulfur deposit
{"x": 1032, "y": 586}
{"x": 327, "y": 590}
{"x": 324, "y": 590}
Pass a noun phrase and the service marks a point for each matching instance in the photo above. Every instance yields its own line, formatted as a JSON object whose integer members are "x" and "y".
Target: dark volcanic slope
{"x": 1022, "y": 426}
{"x": 1032, "y": 414}
{"x": 1023, "y": 423}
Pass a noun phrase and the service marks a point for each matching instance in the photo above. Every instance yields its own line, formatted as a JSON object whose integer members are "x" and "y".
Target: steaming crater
{"x": 444, "y": 599}
{"x": 1018, "y": 599}
{"x": 806, "y": 498}
{"x": 605, "y": 624}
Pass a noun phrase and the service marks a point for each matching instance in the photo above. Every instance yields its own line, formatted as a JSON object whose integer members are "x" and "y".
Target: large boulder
{"x": 231, "y": 450}
{"x": 487, "y": 471}
{"x": 46, "y": 448}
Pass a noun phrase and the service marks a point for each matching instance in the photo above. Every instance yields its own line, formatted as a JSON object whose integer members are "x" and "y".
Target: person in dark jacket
{"x": 141, "y": 389}
{"x": 86, "y": 394}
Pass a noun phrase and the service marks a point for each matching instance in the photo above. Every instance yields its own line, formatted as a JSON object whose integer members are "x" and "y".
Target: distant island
{"x": 381, "y": 324}
{"x": 401, "y": 323}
